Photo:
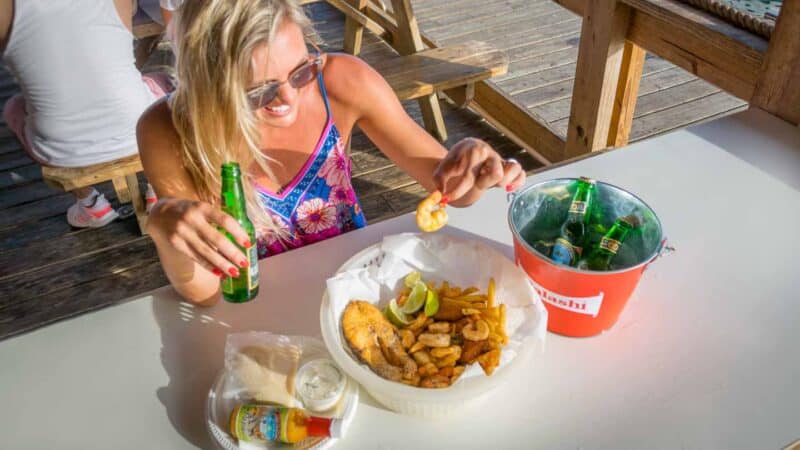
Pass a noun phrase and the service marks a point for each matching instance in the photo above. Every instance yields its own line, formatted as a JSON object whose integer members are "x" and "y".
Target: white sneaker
{"x": 99, "y": 214}
{"x": 150, "y": 198}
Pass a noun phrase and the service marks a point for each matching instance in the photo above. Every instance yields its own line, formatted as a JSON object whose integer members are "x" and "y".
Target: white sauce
{"x": 320, "y": 384}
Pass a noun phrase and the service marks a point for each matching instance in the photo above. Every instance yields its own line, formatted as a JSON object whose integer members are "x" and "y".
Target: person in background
{"x": 81, "y": 92}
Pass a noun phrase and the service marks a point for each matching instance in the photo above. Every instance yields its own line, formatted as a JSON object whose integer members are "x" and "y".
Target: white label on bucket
{"x": 581, "y": 305}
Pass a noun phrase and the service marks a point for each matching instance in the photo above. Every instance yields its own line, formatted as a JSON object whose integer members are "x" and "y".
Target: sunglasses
{"x": 301, "y": 76}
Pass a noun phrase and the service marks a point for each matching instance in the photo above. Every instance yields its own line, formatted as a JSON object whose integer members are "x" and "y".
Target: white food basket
{"x": 512, "y": 288}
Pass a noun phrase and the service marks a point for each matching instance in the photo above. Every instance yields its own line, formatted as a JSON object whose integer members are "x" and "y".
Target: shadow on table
{"x": 192, "y": 336}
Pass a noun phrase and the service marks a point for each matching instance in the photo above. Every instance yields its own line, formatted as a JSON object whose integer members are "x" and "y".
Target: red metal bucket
{"x": 580, "y": 302}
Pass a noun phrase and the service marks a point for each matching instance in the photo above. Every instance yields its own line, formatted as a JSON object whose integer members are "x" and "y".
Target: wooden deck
{"x": 541, "y": 39}
{"x": 49, "y": 271}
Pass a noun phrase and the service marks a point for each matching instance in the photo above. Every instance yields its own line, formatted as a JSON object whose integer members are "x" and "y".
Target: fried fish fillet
{"x": 376, "y": 341}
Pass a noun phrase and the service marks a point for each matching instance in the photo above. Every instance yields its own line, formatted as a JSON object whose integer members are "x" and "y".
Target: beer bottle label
{"x": 252, "y": 273}
{"x": 563, "y": 252}
{"x": 577, "y": 207}
{"x": 610, "y": 245}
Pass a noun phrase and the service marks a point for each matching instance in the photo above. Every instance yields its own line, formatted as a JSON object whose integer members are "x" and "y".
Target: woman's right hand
{"x": 190, "y": 227}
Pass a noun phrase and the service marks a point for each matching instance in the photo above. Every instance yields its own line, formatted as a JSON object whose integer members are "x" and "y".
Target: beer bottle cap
{"x": 588, "y": 180}
{"x": 324, "y": 427}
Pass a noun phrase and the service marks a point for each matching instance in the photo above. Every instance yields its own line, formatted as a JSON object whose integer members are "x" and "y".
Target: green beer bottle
{"x": 244, "y": 287}
{"x": 601, "y": 255}
{"x": 569, "y": 245}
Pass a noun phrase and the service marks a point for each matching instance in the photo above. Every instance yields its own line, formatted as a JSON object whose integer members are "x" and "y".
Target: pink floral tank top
{"x": 319, "y": 202}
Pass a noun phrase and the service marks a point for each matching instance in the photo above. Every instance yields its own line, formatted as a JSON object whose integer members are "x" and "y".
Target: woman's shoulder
{"x": 155, "y": 126}
{"x": 347, "y": 74}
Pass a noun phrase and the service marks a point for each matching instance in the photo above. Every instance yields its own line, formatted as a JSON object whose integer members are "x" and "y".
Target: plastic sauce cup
{"x": 320, "y": 384}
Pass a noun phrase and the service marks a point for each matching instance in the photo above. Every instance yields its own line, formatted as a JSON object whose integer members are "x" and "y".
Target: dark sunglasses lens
{"x": 266, "y": 97}
{"x": 303, "y": 76}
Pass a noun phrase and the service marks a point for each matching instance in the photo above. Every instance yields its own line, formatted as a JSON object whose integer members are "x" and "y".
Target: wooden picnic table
{"x": 616, "y": 34}
{"x": 703, "y": 356}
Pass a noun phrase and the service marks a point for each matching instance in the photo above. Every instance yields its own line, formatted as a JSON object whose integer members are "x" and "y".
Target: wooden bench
{"x": 419, "y": 73}
{"x": 454, "y": 69}
{"x": 121, "y": 172}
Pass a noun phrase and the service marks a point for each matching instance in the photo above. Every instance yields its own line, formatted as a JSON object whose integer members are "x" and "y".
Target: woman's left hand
{"x": 470, "y": 168}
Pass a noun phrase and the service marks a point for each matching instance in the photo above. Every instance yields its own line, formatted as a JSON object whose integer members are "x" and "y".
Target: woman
{"x": 249, "y": 91}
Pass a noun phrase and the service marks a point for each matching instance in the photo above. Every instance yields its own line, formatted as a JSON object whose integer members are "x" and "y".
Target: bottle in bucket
{"x": 243, "y": 288}
{"x": 602, "y": 254}
{"x": 569, "y": 245}
{"x": 261, "y": 424}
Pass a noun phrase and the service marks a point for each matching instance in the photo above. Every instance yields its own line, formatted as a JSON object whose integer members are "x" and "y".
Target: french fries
{"x": 468, "y": 328}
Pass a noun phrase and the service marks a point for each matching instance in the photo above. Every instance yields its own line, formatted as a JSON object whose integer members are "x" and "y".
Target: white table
{"x": 705, "y": 356}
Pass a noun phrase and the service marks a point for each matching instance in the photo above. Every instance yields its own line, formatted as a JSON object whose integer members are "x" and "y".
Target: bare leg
{"x": 83, "y": 192}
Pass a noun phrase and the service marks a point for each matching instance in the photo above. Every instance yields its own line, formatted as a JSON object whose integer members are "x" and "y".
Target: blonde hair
{"x": 214, "y": 43}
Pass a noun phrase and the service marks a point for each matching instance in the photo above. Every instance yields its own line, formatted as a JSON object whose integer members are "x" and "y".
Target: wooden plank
{"x": 539, "y": 64}
{"x": 465, "y": 15}
{"x": 557, "y": 83}
{"x": 491, "y": 20}
{"x": 539, "y": 49}
{"x": 651, "y": 82}
{"x": 661, "y": 100}
{"x": 13, "y": 160}
{"x": 778, "y": 87}
{"x": 522, "y": 32}
{"x": 685, "y": 115}
{"x": 80, "y": 299}
{"x": 38, "y": 231}
{"x": 673, "y": 108}
{"x": 65, "y": 247}
{"x": 409, "y": 41}
{"x": 51, "y": 206}
{"x": 605, "y": 23}
{"x": 517, "y": 123}
{"x": 430, "y": 71}
{"x": 354, "y": 31}
{"x": 630, "y": 75}
{"x": 517, "y": 28}
{"x": 19, "y": 176}
{"x": 685, "y": 93}
{"x": 380, "y": 181}
{"x": 69, "y": 272}
{"x": 25, "y": 194}
{"x": 9, "y": 144}
{"x": 71, "y": 178}
{"x": 700, "y": 43}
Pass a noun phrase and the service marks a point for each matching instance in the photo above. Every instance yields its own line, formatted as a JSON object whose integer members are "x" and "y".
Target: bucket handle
{"x": 665, "y": 250}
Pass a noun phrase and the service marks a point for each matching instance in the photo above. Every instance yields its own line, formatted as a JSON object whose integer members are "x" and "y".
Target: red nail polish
{"x": 445, "y": 200}
{"x": 234, "y": 273}
{"x": 217, "y": 272}
{"x": 509, "y": 188}
{"x": 242, "y": 264}
{"x": 247, "y": 244}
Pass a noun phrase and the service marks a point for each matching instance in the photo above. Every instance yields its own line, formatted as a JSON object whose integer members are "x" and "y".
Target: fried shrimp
{"x": 428, "y": 218}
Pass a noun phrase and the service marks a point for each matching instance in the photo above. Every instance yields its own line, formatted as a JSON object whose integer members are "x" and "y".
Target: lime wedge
{"x": 412, "y": 279}
{"x": 396, "y": 316}
{"x": 416, "y": 299}
{"x": 431, "y": 303}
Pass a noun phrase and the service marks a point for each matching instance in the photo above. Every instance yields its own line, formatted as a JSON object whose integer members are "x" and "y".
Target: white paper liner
{"x": 439, "y": 257}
